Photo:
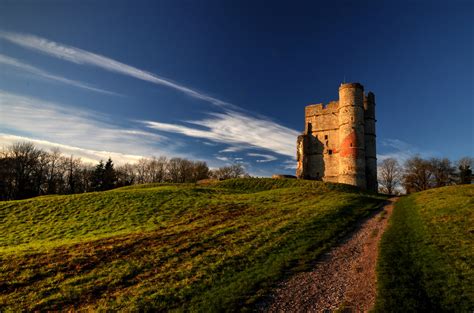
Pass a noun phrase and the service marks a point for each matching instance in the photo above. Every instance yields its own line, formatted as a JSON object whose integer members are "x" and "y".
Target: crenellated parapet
{"x": 320, "y": 108}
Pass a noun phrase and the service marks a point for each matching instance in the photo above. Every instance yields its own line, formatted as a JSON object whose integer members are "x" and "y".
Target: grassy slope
{"x": 426, "y": 259}
{"x": 168, "y": 247}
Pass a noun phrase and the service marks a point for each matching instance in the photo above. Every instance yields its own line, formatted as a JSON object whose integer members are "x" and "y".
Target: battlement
{"x": 320, "y": 108}
{"x": 351, "y": 85}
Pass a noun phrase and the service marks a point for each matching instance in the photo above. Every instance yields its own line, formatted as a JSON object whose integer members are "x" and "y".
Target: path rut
{"x": 343, "y": 279}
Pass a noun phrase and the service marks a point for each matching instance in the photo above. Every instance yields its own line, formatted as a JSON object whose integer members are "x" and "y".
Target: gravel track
{"x": 343, "y": 279}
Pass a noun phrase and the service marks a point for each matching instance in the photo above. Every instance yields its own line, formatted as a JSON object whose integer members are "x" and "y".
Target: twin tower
{"x": 338, "y": 144}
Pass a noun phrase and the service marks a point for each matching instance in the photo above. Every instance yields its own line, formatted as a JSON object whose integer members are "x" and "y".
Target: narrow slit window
{"x": 325, "y": 136}
{"x": 329, "y": 151}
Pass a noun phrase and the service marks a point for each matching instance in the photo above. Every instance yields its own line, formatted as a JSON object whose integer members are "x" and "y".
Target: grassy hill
{"x": 168, "y": 247}
{"x": 426, "y": 259}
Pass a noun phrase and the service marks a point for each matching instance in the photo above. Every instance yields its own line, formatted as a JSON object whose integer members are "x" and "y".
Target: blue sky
{"x": 227, "y": 81}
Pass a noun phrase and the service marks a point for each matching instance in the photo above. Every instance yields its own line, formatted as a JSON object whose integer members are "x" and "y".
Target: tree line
{"x": 28, "y": 171}
{"x": 418, "y": 174}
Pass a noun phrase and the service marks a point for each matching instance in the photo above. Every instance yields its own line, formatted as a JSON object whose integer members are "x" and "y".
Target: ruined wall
{"x": 309, "y": 165}
{"x": 338, "y": 144}
{"x": 325, "y": 131}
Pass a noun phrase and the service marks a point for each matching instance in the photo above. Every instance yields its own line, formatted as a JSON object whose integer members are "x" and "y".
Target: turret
{"x": 351, "y": 135}
{"x": 370, "y": 151}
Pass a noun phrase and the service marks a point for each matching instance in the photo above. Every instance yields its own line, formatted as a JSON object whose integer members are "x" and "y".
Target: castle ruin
{"x": 338, "y": 144}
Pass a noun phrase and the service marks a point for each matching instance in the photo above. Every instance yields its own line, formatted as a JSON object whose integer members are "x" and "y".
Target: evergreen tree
{"x": 97, "y": 179}
{"x": 109, "y": 176}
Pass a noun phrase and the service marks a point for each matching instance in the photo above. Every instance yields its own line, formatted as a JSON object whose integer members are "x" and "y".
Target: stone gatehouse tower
{"x": 338, "y": 144}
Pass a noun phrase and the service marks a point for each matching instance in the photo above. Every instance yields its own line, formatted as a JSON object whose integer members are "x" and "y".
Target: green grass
{"x": 426, "y": 258}
{"x": 168, "y": 247}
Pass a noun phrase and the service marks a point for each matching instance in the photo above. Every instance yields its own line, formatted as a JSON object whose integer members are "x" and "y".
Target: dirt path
{"x": 343, "y": 279}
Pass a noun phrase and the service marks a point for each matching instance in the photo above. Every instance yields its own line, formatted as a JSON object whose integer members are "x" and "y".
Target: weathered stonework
{"x": 338, "y": 144}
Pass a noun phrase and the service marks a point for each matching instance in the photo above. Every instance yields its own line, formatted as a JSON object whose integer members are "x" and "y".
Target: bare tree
{"x": 151, "y": 170}
{"x": 141, "y": 171}
{"x": 200, "y": 171}
{"x": 185, "y": 171}
{"x": 126, "y": 175}
{"x": 84, "y": 176}
{"x": 72, "y": 168}
{"x": 228, "y": 172}
{"x": 172, "y": 169}
{"x": 24, "y": 158}
{"x": 443, "y": 172}
{"x": 39, "y": 180}
{"x": 7, "y": 175}
{"x": 390, "y": 174}
{"x": 54, "y": 175}
{"x": 465, "y": 170}
{"x": 418, "y": 175}
{"x": 156, "y": 169}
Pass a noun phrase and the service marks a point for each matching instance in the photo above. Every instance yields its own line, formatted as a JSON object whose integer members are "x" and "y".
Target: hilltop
{"x": 169, "y": 246}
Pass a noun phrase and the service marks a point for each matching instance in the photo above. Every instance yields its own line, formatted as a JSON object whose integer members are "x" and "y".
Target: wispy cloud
{"x": 232, "y": 149}
{"x": 263, "y": 157}
{"x": 207, "y": 143}
{"x": 84, "y": 57}
{"x": 289, "y": 165}
{"x": 59, "y": 124}
{"x": 231, "y": 160}
{"x": 237, "y": 129}
{"x": 401, "y": 150}
{"x": 223, "y": 158}
{"x": 46, "y": 75}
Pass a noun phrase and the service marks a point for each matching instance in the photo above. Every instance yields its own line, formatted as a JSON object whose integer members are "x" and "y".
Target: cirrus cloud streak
{"x": 57, "y": 124}
{"x": 12, "y": 62}
{"x": 79, "y": 56}
{"x": 236, "y": 128}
